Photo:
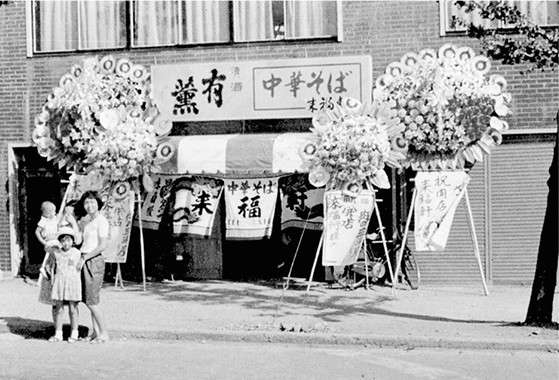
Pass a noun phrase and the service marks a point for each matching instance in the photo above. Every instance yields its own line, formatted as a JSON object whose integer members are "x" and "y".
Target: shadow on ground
{"x": 331, "y": 307}
{"x": 37, "y": 329}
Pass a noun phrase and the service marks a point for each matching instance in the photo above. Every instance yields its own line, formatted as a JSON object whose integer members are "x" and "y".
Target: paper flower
{"x": 445, "y": 107}
{"x": 351, "y": 148}
{"x": 99, "y": 118}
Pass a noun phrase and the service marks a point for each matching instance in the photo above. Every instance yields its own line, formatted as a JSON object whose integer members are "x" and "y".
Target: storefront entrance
{"x": 37, "y": 181}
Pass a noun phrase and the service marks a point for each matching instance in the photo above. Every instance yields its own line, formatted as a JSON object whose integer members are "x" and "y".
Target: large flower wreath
{"x": 350, "y": 150}
{"x": 447, "y": 111}
{"x": 100, "y": 118}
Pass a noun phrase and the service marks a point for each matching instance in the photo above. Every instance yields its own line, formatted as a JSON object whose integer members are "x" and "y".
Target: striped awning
{"x": 235, "y": 155}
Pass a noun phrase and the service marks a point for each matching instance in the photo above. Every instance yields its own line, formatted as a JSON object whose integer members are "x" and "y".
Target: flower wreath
{"x": 447, "y": 111}
{"x": 351, "y": 148}
{"x": 100, "y": 118}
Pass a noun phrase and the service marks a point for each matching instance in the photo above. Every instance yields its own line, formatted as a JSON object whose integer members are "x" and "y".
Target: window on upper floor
{"x": 543, "y": 13}
{"x": 60, "y": 26}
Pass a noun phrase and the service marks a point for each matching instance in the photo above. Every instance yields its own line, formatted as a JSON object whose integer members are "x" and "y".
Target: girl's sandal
{"x": 88, "y": 338}
{"x": 72, "y": 340}
{"x": 54, "y": 338}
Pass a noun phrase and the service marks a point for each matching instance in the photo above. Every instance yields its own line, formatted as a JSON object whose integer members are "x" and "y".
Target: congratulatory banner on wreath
{"x": 346, "y": 220}
{"x": 274, "y": 89}
{"x": 438, "y": 196}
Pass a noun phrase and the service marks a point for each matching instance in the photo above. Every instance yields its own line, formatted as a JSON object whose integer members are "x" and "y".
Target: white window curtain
{"x": 56, "y": 26}
{"x": 253, "y": 20}
{"x": 541, "y": 12}
{"x": 102, "y": 24}
{"x": 310, "y": 18}
{"x": 205, "y": 21}
{"x": 159, "y": 23}
{"x": 155, "y": 23}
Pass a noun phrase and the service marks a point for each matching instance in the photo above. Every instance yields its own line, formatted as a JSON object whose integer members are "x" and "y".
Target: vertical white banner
{"x": 250, "y": 206}
{"x": 438, "y": 196}
{"x": 346, "y": 220}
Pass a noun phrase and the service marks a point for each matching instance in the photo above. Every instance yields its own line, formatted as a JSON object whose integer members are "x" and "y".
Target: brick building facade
{"x": 506, "y": 191}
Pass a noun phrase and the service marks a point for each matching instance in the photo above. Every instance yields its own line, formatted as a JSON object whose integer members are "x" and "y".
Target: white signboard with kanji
{"x": 345, "y": 224}
{"x": 275, "y": 89}
{"x": 438, "y": 196}
{"x": 250, "y": 206}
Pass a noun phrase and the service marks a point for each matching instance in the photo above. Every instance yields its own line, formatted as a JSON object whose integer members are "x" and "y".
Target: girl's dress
{"x": 67, "y": 281}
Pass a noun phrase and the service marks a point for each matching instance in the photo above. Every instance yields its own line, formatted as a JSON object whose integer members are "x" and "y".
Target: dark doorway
{"x": 38, "y": 181}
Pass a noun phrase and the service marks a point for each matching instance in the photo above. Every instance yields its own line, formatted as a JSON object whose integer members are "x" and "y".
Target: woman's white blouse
{"x": 93, "y": 232}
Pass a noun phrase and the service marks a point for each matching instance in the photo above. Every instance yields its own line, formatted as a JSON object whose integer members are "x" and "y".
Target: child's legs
{"x": 73, "y": 313}
{"x": 57, "y": 315}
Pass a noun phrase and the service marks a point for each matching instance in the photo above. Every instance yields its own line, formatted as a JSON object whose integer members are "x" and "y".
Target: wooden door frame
{"x": 16, "y": 247}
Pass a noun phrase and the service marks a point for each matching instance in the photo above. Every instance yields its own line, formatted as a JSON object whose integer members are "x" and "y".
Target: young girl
{"x": 66, "y": 284}
{"x": 46, "y": 234}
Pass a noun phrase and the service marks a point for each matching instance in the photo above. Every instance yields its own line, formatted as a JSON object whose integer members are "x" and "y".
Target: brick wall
{"x": 384, "y": 30}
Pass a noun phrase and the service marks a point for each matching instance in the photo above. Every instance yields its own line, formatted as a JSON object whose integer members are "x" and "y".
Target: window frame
{"x": 129, "y": 45}
{"x": 444, "y": 24}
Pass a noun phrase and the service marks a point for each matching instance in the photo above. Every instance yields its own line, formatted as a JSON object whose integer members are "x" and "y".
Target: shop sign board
{"x": 267, "y": 89}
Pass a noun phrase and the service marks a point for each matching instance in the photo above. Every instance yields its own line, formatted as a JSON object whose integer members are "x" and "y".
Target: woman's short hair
{"x": 90, "y": 195}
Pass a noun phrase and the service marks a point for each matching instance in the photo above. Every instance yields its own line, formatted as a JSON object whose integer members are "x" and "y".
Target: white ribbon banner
{"x": 250, "y": 206}
{"x": 438, "y": 196}
{"x": 345, "y": 225}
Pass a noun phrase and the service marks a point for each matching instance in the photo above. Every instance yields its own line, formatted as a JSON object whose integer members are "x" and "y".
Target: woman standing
{"x": 95, "y": 234}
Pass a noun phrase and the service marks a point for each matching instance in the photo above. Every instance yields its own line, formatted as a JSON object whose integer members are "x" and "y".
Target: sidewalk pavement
{"x": 433, "y": 316}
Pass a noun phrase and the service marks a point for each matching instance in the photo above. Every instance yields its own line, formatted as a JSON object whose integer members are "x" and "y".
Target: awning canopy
{"x": 235, "y": 155}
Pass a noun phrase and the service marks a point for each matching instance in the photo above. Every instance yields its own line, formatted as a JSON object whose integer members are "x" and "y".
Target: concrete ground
{"x": 433, "y": 316}
{"x": 149, "y": 359}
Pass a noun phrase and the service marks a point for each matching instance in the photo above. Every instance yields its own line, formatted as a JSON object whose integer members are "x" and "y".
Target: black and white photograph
{"x": 279, "y": 189}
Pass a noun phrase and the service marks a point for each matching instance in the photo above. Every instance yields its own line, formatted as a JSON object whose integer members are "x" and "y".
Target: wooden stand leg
{"x": 474, "y": 240}
{"x": 142, "y": 252}
{"x": 366, "y": 263}
{"x": 405, "y": 237}
{"x": 118, "y": 277}
{"x": 383, "y": 237}
{"x": 315, "y": 260}
{"x": 286, "y": 284}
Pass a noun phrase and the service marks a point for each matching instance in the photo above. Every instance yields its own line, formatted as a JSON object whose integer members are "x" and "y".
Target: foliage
{"x": 522, "y": 41}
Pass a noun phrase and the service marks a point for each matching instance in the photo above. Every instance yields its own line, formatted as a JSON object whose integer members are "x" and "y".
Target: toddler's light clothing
{"x": 49, "y": 226}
